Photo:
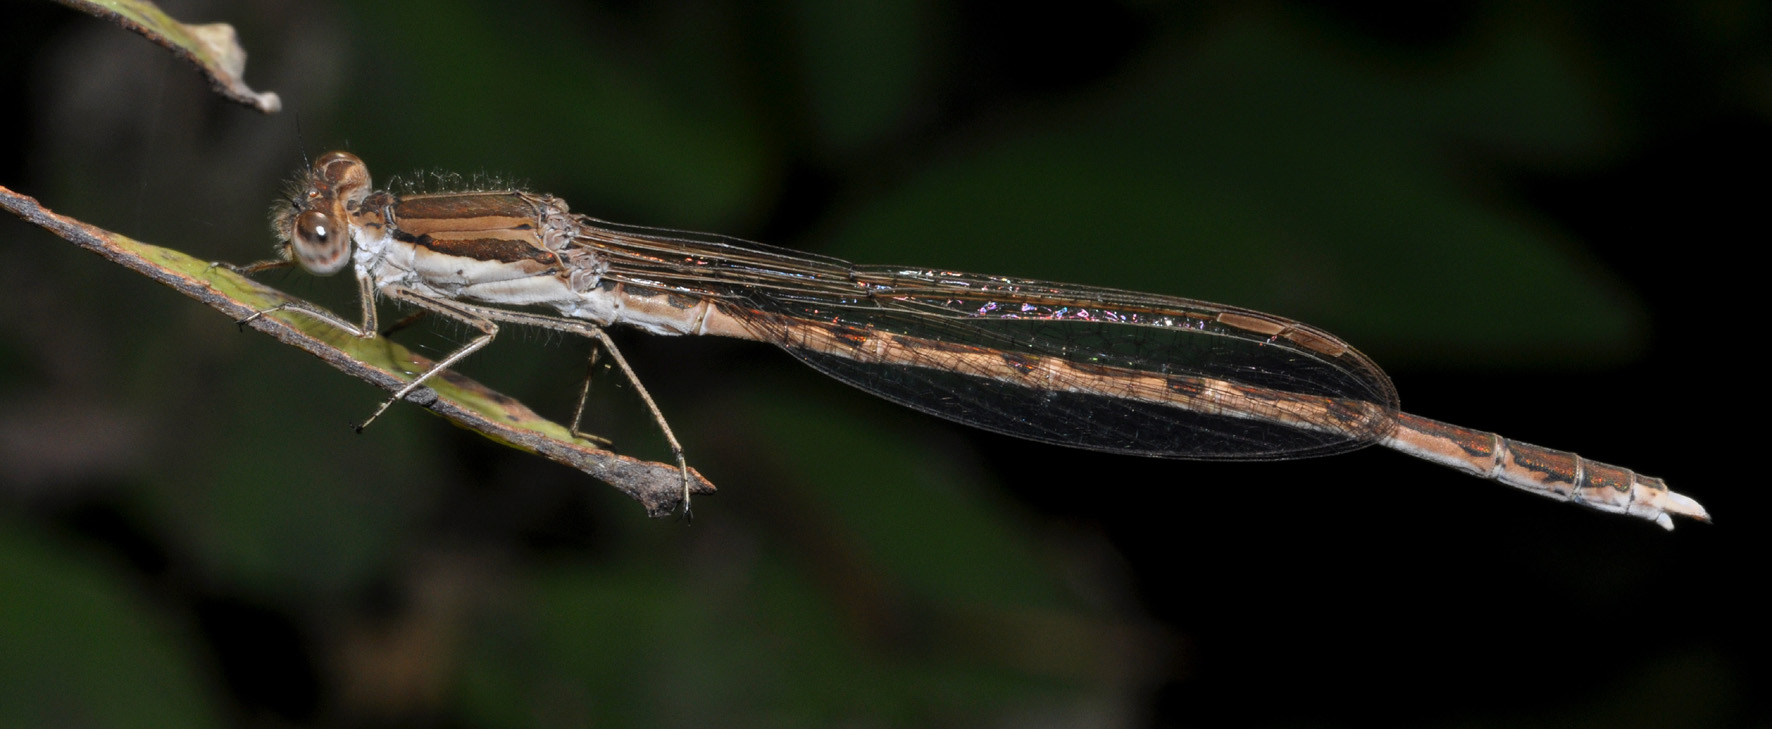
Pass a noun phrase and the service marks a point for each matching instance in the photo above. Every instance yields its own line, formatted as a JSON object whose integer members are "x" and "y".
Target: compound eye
{"x": 321, "y": 246}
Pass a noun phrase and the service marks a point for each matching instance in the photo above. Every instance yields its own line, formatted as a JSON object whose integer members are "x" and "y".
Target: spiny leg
{"x": 254, "y": 267}
{"x": 488, "y": 330}
{"x": 257, "y": 267}
{"x": 367, "y": 329}
{"x": 584, "y": 329}
{"x": 657, "y": 415}
{"x": 584, "y": 395}
{"x": 365, "y": 299}
{"x": 299, "y": 307}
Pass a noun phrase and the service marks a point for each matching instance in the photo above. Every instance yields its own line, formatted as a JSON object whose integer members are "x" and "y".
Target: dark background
{"x": 1540, "y": 217}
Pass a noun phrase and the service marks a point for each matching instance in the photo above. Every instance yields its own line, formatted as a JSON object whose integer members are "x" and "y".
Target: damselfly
{"x": 1070, "y": 365}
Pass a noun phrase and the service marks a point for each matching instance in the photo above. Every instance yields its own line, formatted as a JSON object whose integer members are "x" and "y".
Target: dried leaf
{"x": 212, "y": 48}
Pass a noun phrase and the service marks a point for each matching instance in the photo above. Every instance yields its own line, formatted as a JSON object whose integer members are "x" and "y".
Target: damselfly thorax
{"x": 1077, "y": 366}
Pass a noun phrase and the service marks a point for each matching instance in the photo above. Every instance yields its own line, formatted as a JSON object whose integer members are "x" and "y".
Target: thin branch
{"x": 466, "y": 403}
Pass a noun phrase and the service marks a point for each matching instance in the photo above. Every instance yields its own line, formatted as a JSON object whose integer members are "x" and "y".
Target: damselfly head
{"x": 314, "y": 224}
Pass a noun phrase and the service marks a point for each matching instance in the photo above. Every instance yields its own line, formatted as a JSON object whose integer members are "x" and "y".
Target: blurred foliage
{"x": 1381, "y": 172}
{"x": 83, "y": 648}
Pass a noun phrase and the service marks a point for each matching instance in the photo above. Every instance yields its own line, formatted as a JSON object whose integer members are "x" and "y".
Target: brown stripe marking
{"x": 453, "y": 213}
{"x": 501, "y": 250}
{"x": 1251, "y": 323}
{"x": 1317, "y": 341}
{"x": 1309, "y": 338}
